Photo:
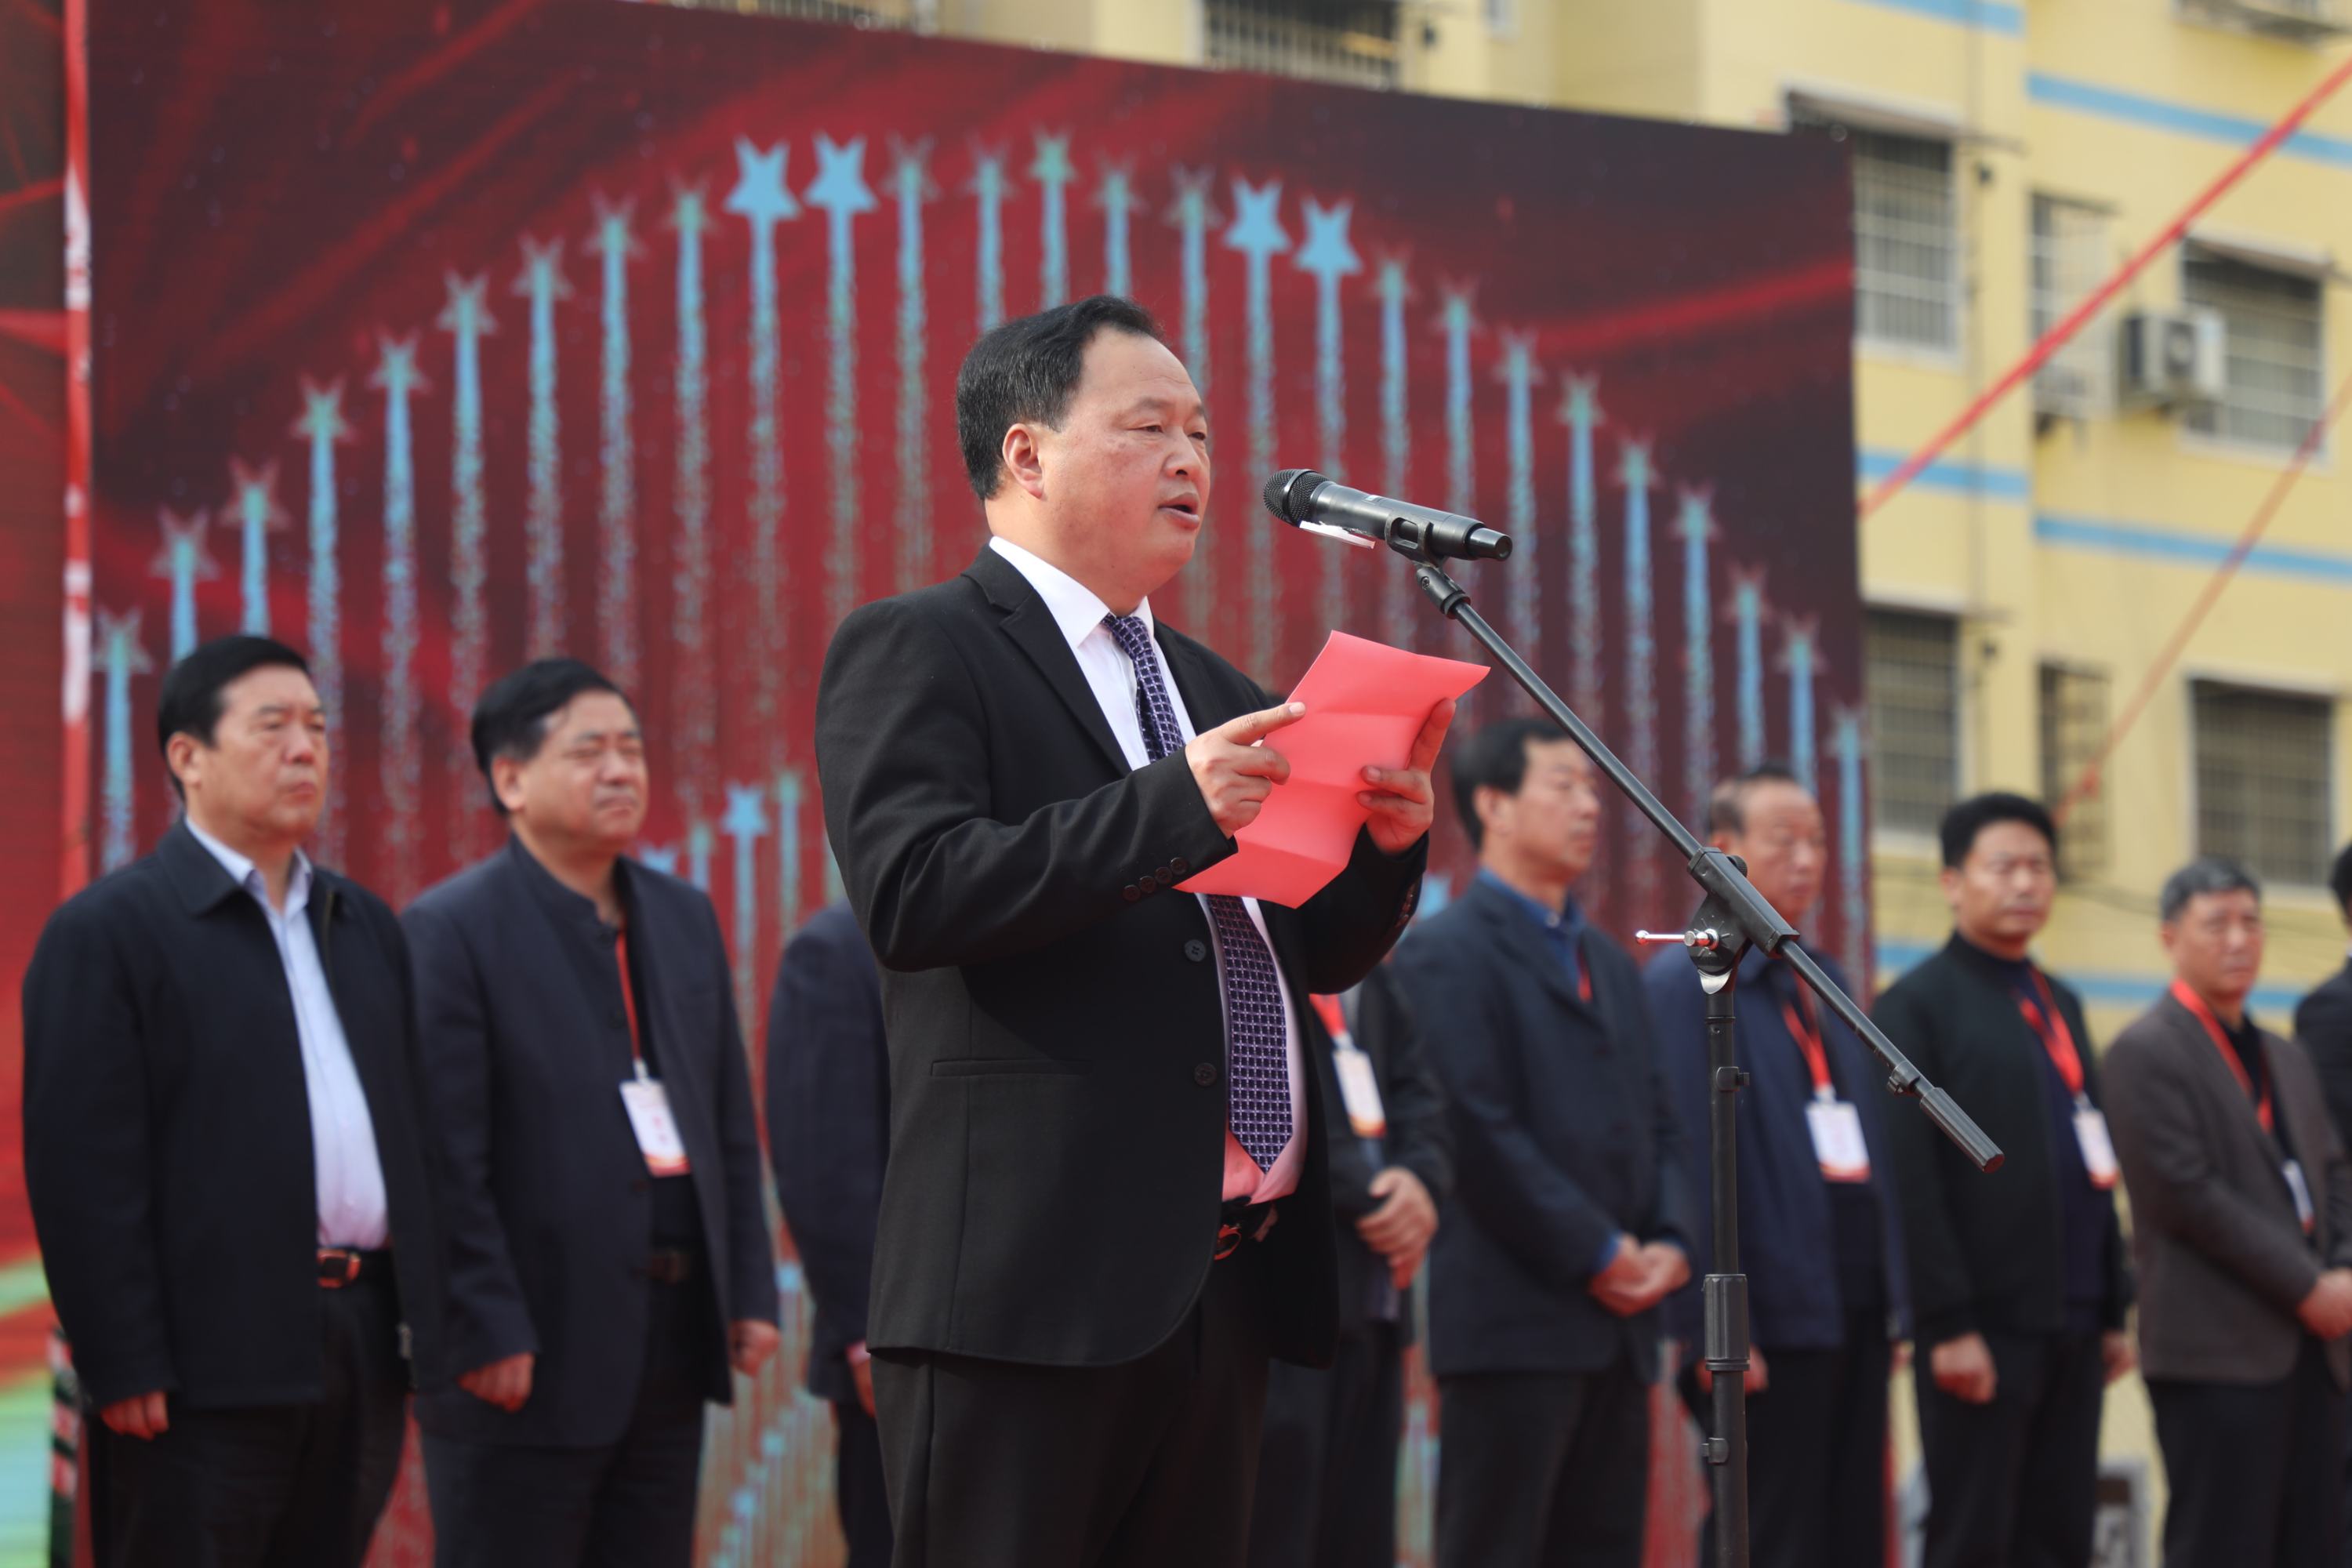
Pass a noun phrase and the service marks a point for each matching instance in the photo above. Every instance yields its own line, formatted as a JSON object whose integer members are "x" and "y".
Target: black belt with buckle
{"x": 1241, "y": 1220}
{"x": 342, "y": 1266}
{"x": 668, "y": 1264}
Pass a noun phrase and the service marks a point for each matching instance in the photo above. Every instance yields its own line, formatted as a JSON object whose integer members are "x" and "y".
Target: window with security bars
{"x": 1914, "y": 679}
{"x": 2067, "y": 259}
{"x": 1906, "y": 241}
{"x": 2263, "y": 780}
{"x": 2274, "y": 322}
{"x": 2073, "y": 727}
{"x": 1359, "y": 42}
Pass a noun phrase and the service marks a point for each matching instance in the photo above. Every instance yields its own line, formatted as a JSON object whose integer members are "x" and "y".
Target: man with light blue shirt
{"x": 1568, "y": 1222}
{"x": 223, "y": 1151}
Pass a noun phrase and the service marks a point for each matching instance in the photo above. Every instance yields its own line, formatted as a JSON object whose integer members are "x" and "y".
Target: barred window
{"x": 2263, "y": 780}
{"x": 1353, "y": 41}
{"x": 922, "y": 15}
{"x": 2073, "y": 727}
{"x": 2274, "y": 322}
{"x": 1914, "y": 683}
{"x": 2068, "y": 259}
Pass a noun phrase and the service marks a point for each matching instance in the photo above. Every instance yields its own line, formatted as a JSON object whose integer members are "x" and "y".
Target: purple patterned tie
{"x": 1257, "y": 1065}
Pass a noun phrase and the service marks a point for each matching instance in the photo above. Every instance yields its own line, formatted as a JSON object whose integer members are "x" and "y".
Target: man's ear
{"x": 1023, "y": 461}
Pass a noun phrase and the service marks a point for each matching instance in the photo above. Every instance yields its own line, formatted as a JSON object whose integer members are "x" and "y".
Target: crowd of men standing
{"x": 1117, "y": 1204}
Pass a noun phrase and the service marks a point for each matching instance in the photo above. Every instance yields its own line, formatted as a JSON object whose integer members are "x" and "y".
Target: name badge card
{"x": 2098, "y": 1153}
{"x": 1837, "y": 1139}
{"x": 647, "y": 1104}
{"x": 2293, "y": 1172}
{"x": 1361, "y": 1092}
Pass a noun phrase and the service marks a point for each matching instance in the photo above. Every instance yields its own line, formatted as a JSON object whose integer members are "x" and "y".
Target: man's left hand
{"x": 1401, "y": 800}
{"x": 2115, "y": 1351}
{"x": 750, "y": 1343}
{"x": 1400, "y": 1227}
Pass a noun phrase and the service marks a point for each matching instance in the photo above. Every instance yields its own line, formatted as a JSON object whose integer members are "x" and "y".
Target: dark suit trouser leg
{"x": 1817, "y": 1455}
{"x": 2250, "y": 1468}
{"x": 277, "y": 1486}
{"x": 2013, "y": 1483}
{"x": 1326, "y": 1462}
{"x": 857, "y": 1489}
{"x": 629, "y": 1503}
{"x": 1543, "y": 1469}
{"x": 1149, "y": 1463}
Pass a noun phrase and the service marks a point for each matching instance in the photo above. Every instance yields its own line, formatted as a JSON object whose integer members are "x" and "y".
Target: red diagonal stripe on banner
{"x": 39, "y": 191}
{"x": 431, "y": 69}
{"x": 321, "y": 285}
{"x": 41, "y": 329}
{"x": 10, "y": 404}
{"x": 1688, "y": 313}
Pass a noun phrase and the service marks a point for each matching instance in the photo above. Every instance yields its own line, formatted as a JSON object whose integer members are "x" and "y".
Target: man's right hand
{"x": 142, "y": 1415}
{"x": 2328, "y": 1311}
{"x": 505, "y": 1383}
{"x": 862, "y": 1372}
{"x": 1234, "y": 774}
{"x": 1624, "y": 1286}
{"x": 1963, "y": 1368}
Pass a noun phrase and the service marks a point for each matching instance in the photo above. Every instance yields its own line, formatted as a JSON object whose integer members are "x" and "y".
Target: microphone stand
{"x": 1732, "y": 916}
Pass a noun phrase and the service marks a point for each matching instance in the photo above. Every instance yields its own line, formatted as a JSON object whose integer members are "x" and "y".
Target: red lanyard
{"x": 1808, "y": 1031}
{"x": 1327, "y": 1009}
{"x": 628, "y": 994}
{"x": 2056, "y": 1038}
{"x": 2196, "y": 1003}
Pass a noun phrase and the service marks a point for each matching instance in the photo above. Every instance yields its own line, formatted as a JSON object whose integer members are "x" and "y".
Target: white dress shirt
{"x": 1111, "y": 674}
{"x": 346, "y": 1171}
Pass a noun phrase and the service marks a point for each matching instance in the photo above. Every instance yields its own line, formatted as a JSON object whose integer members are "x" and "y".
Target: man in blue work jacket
{"x": 1818, "y": 1237}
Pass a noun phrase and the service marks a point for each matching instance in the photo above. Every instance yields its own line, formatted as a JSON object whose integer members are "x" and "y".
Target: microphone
{"x": 1308, "y": 499}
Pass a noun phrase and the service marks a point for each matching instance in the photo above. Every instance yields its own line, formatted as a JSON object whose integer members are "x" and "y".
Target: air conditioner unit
{"x": 2175, "y": 356}
{"x": 2297, "y": 21}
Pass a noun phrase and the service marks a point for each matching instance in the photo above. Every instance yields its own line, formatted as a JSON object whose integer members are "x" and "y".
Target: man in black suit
{"x": 609, "y": 1255}
{"x": 829, "y": 1137}
{"x": 223, "y": 1152}
{"x": 2323, "y": 1020}
{"x": 1098, "y": 1103}
{"x": 1327, "y": 1475}
{"x": 1570, "y": 1218}
{"x": 2018, "y": 1282}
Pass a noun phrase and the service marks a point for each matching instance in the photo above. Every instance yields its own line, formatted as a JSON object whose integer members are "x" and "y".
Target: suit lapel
{"x": 1518, "y": 934}
{"x": 1206, "y": 709}
{"x": 1033, "y": 629}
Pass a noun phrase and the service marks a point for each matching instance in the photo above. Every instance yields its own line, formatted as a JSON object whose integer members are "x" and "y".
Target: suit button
{"x": 1131, "y": 892}
{"x": 1205, "y": 1074}
{"x": 1166, "y": 876}
{"x": 1197, "y": 951}
{"x": 1179, "y": 866}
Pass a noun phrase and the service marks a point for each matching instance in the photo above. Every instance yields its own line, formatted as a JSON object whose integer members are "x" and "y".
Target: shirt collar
{"x": 1076, "y": 609}
{"x": 1567, "y": 920}
{"x": 246, "y": 875}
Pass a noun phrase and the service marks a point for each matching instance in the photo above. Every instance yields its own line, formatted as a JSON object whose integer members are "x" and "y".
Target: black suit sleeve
{"x": 488, "y": 1319}
{"x": 1419, "y": 1138}
{"x": 86, "y": 1167}
{"x": 1943, "y": 1295}
{"x": 1351, "y": 924}
{"x": 750, "y": 1251}
{"x": 2322, "y": 1022}
{"x": 903, "y": 753}
{"x": 826, "y": 1124}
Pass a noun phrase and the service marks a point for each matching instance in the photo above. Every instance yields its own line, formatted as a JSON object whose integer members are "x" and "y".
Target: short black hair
{"x": 1027, "y": 369}
{"x": 2339, "y": 880}
{"x": 2207, "y": 874}
{"x": 1726, "y": 803}
{"x": 510, "y": 721}
{"x": 195, "y": 690}
{"x": 1971, "y": 816}
{"x": 1495, "y": 758}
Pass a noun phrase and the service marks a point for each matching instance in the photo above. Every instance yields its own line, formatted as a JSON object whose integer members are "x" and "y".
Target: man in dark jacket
{"x": 609, "y": 1251}
{"x": 1569, "y": 1222}
{"x": 1328, "y": 1465}
{"x": 223, "y": 1152}
{"x": 829, "y": 1137}
{"x": 2018, "y": 1282}
{"x": 2241, "y": 1223}
{"x": 2323, "y": 1020}
{"x": 1818, "y": 1231}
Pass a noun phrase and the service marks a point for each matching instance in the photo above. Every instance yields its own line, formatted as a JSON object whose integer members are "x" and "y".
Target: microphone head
{"x": 1286, "y": 493}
